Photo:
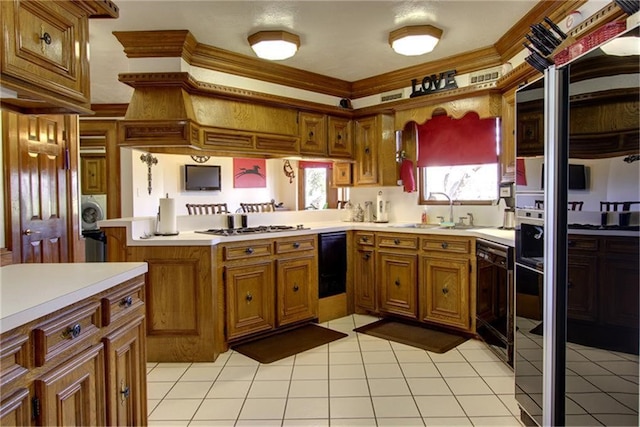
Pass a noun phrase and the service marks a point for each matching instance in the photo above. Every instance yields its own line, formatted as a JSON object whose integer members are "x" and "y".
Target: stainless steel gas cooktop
{"x": 251, "y": 230}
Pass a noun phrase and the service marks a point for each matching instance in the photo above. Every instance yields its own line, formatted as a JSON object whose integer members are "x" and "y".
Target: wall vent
{"x": 484, "y": 76}
{"x": 390, "y": 96}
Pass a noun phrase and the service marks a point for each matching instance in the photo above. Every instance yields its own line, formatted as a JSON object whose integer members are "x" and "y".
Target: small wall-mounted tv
{"x": 577, "y": 177}
{"x": 202, "y": 178}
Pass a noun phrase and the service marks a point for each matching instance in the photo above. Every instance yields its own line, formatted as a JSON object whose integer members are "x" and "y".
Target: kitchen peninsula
{"x": 73, "y": 344}
{"x": 205, "y": 291}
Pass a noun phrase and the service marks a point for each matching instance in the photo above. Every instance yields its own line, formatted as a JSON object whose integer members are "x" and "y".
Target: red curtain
{"x": 444, "y": 141}
{"x": 303, "y": 164}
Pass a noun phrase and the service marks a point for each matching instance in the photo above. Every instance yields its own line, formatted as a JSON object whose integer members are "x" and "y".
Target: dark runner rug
{"x": 288, "y": 343}
{"x": 416, "y": 336}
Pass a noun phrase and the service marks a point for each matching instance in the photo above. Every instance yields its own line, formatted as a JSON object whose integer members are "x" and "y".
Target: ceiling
{"x": 347, "y": 40}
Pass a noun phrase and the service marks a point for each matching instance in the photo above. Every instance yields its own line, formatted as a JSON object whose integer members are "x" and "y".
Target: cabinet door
{"x": 487, "y": 291}
{"x": 297, "y": 289}
{"x": 398, "y": 279}
{"x": 364, "y": 279}
{"x": 339, "y": 141}
{"x": 46, "y": 48}
{"x": 73, "y": 392}
{"x": 126, "y": 381}
{"x": 619, "y": 290}
{"x": 444, "y": 290}
{"x": 15, "y": 409}
{"x": 250, "y": 298}
{"x": 342, "y": 174}
{"x": 366, "y": 152}
{"x": 581, "y": 287}
{"x": 93, "y": 173}
{"x": 313, "y": 137}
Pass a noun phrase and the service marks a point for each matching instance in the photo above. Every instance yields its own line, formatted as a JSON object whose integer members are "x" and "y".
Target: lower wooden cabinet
{"x": 250, "y": 298}
{"x": 365, "y": 279}
{"x": 268, "y": 284}
{"x": 95, "y": 376}
{"x": 444, "y": 287}
{"x": 398, "y": 283}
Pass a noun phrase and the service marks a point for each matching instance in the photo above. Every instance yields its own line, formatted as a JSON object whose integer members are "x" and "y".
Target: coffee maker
{"x": 507, "y": 193}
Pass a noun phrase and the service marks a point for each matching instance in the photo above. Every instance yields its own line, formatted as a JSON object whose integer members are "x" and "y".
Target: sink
{"x": 415, "y": 225}
{"x": 458, "y": 226}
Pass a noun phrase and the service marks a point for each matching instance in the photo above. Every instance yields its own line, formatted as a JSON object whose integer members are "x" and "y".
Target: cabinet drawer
{"x": 14, "y": 357}
{"x": 256, "y": 248}
{"x": 65, "y": 331}
{"x": 305, "y": 243}
{"x": 365, "y": 239}
{"x": 122, "y": 301}
{"x": 396, "y": 241}
{"x": 582, "y": 243}
{"x": 447, "y": 244}
{"x": 625, "y": 245}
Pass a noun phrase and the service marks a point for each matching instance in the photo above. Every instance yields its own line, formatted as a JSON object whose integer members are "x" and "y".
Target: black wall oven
{"x": 494, "y": 301}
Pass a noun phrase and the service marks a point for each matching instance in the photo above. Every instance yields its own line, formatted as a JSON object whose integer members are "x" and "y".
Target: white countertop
{"x": 30, "y": 291}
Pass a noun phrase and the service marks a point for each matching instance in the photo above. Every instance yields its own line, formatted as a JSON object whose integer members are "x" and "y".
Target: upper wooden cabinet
{"x": 339, "y": 140}
{"x": 45, "y": 55}
{"x": 93, "y": 172}
{"x": 375, "y": 151}
{"x": 313, "y": 134}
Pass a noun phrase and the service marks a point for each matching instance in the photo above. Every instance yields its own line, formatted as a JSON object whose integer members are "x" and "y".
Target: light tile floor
{"x": 356, "y": 381}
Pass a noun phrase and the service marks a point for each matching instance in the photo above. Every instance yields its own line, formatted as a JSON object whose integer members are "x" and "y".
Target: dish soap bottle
{"x": 424, "y": 219}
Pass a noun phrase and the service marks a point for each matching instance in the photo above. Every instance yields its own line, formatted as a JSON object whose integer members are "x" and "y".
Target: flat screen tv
{"x": 202, "y": 178}
{"x": 577, "y": 177}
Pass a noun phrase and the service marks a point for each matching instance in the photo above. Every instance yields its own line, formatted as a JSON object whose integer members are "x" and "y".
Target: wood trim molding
{"x": 157, "y": 44}
{"x": 109, "y": 110}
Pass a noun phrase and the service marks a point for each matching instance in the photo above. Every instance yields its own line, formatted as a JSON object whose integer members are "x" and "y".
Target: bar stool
{"x": 206, "y": 208}
{"x": 575, "y": 206}
{"x": 258, "y": 207}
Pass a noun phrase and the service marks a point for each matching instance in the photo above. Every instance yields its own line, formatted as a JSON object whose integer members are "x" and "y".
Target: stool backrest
{"x": 206, "y": 208}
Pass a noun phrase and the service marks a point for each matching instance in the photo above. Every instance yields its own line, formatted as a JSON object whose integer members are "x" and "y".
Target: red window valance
{"x": 303, "y": 164}
{"x": 445, "y": 141}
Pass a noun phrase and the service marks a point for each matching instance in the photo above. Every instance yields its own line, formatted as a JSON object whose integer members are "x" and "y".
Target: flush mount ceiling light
{"x": 622, "y": 46}
{"x": 274, "y": 45}
{"x": 414, "y": 40}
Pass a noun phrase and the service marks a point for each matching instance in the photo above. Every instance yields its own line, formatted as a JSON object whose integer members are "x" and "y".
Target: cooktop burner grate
{"x": 251, "y": 230}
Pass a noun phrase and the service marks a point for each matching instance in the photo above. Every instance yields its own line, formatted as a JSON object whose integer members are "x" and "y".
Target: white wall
{"x": 167, "y": 177}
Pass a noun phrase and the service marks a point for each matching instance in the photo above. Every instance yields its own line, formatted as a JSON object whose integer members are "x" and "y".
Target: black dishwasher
{"x": 332, "y": 263}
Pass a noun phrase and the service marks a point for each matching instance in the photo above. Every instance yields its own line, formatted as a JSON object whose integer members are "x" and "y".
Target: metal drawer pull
{"x": 365, "y": 239}
{"x": 126, "y": 302}
{"x": 366, "y": 256}
{"x": 249, "y": 251}
{"x": 445, "y": 291}
{"x": 396, "y": 241}
{"x": 397, "y": 282}
{"x": 124, "y": 392}
{"x": 46, "y": 37}
{"x": 445, "y": 245}
{"x": 296, "y": 245}
{"x": 249, "y": 297}
{"x": 296, "y": 288}
{"x": 72, "y": 331}
{"x": 569, "y": 284}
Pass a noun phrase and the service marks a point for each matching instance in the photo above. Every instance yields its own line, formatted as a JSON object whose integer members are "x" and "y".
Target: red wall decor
{"x": 249, "y": 173}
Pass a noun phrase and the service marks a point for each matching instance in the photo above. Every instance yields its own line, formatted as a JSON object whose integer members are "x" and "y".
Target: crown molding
{"x": 157, "y": 44}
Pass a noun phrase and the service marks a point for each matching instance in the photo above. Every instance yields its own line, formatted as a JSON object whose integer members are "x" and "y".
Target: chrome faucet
{"x": 450, "y": 203}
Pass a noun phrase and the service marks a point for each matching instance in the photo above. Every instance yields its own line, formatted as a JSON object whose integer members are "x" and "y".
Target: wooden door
{"x": 43, "y": 162}
{"x": 342, "y": 174}
{"x": 582, "y": 286}
{"x": 444, "y": 290}
{"x": 15, "y": 409}
{"x": 250, "y": 298}
{"x": 339, "y": 139}
{"x": 297, "y": 297}
{"x": 73, "y": 392}
{"x": 619, "y": 290}
{"x": 398, "y": 279}
{"x": 125, "y": 381}
{"x": 364, "y": 281}
{"x": 313, "y": 135}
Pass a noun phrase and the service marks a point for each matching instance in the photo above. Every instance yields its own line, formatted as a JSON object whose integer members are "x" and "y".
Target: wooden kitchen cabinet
{"x": 375, "y": 151}
{"x": 297, "y": 295}
{"x": 339, "y": 140}
{"x": 250, "y": 298}
{"x": 365, "y": 272}
{"x": 342, "y": 175}
{"x": 619, "y": 290}
{"x": 45, "y": 53}
{"x": 447, "y": 278}
{"x": 398, "y": 274}
{"x": 582, "y": 278}
{"x": 93, "y": 173}
{"x": 313, "y": 133}
{"x": 15, "y": 410}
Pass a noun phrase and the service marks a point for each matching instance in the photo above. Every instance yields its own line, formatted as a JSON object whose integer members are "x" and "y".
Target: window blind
{"x": 445, "y": 141}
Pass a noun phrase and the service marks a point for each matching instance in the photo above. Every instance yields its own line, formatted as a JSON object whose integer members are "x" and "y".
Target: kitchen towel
{"x": 167, "y": 221}
{"x": 406, "y": 175}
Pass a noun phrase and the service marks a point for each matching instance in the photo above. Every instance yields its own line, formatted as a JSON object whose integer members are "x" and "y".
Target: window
{"x": 315, "y": 190}
{"x": 459, "y": 157}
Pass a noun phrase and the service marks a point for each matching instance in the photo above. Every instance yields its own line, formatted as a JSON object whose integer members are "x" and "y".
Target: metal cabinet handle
{"x": 311, "y": 134}
{"x": 365, "y": 239}
{"x": 366, "y": 256}
{"x": 397, "y": 282}
{"x": 46, "y": 38}
{"x": 569, "y": 284}
{"x": 445, "y": 245}
{"x": 296, "y": 245}
{"x": 72, "y": 331}
{"x": 367, "y": 150}
{"x": 445, "y": 291}
{"x": 571, "y": 243}
{"x": 296, "y": 288}
{"x": 339, "y": 137}
{"x": 396, "y": 241}
{"x": 29, "y": 232}
{"x": 249, "y": 251}
{"x": 124, "y": 393}
{"x": 126, "y": 302}
{"x": 249, "y": 297}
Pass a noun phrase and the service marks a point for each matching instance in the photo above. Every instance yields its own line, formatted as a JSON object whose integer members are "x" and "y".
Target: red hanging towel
{"x": 406, "y": 175}
{"x": 521, "y": 174}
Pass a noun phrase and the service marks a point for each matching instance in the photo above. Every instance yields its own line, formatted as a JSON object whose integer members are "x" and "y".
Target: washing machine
{"x": 92, "y": 210}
